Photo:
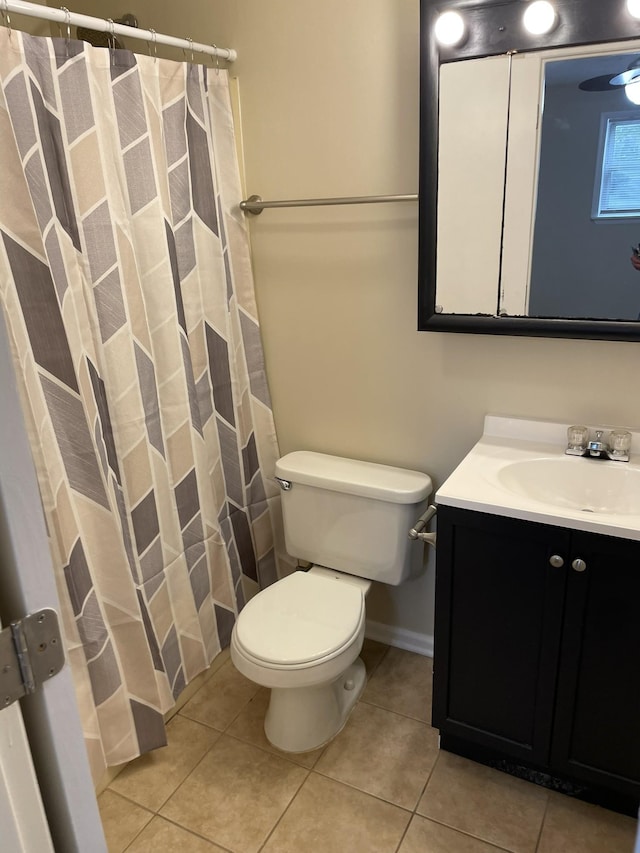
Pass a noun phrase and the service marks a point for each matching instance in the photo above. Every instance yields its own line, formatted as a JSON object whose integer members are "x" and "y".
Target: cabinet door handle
{"x": 556, "y": 561}
{"x": 579, "y": 565}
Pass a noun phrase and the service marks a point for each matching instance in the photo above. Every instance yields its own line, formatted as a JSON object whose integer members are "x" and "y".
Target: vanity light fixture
{"x": 450, "y": 29}
{"x": 633, "y": 8}
{"x": 540, "y": 17}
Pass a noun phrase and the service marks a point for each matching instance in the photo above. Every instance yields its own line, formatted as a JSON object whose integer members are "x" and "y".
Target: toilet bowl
{"x": 301, "y": 637}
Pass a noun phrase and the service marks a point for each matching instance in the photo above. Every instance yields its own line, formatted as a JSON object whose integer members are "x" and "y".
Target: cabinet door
{"x": 499, "y": 607}
{"x": 597, "y": 728}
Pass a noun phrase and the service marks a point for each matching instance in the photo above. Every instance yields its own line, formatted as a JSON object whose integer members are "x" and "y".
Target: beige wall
{"x": 329, "y": 94}
{"x": 34, "y": 26}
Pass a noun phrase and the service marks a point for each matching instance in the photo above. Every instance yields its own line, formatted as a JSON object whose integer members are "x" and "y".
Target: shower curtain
{"x": 126, "y": 288}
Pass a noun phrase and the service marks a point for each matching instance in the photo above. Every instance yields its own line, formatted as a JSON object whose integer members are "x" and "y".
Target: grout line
{"x": 426, "y": 784}
{"x": 404, "y": 834}
{"x": 393, "y": 711}
{"x": 362, "y": 791}
{"x": 377, "y": 665}
{"x": 190, "y": 691}
{"x": 313, "y": 767}
{"x": 466, "y": 833}
{"x": 175, "y": 790}
{"x": 234, "y": 718}
{"x": 201, "y": 723}
{"x": 142, "y": 828}
{"x": 189, "y": 774}
{"x": 441, "y": 822}
{"x": 194, "y": 833}
{"x": 278, "y": 754}
{"x": 290, "y": 803}
{"x": 129, "y": 800}
{"x": 542, "y": 823}
{"x": 197, "y": 764}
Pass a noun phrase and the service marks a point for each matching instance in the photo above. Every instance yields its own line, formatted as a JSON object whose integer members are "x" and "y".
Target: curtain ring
{"x": 154, "y": 41}
{"x": 67, "y": 18}
{"x": 6, "y": 19}
{"x": 111, "y": 38}
{"x": 190, "y": 40}
{"x": 217, "y": 58}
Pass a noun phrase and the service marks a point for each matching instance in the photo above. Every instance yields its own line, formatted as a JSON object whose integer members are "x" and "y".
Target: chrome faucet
{"x": 616, "y": 447}
{"x": 598, "y": 448}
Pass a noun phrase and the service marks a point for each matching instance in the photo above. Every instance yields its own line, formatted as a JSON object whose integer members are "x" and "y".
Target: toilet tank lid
{"x": 353, "y": 477}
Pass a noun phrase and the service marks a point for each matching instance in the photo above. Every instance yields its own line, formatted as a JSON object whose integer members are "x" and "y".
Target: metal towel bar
{"x": 255, "y": 204}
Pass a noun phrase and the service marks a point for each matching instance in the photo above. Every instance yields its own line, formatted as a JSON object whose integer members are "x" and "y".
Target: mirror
{"x": 535, "y": 203}
{"x": 586, "y": 224}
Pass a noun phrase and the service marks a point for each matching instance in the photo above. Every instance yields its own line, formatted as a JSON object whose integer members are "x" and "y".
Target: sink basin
{"x": 589, "y": 485}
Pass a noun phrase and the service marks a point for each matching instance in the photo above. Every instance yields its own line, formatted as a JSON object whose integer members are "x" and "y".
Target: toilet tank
{"x": 352, "y": 516}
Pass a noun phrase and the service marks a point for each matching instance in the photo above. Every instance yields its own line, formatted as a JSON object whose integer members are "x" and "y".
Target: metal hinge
{"x": 31, "y": 653}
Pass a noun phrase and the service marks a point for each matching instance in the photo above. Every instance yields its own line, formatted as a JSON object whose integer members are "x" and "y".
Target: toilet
{"x": 302, "y": 636}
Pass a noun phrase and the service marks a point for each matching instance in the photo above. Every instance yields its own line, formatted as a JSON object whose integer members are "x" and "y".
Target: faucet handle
{"x": 620, "y": 441}
{"x": 577, "y": 437}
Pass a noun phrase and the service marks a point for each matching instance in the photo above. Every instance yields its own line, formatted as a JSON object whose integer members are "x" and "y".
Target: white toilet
{"x": 302, "y": 636}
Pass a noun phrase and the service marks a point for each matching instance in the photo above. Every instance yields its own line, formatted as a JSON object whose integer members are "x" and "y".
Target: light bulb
{"x": 540, "y": 17}
{"x": 632, "y": 91}
{"x": 449, "y": 28}
{"x": 633, "y": 8}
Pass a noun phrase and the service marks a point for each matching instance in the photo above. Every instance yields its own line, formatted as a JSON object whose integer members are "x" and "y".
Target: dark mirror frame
{"x": 494, "y": 29}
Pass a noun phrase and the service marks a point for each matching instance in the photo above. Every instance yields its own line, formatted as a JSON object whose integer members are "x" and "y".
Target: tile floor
{"x": 381, "y": 786}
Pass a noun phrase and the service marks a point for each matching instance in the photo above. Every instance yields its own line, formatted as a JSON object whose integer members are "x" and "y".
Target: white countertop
{"x": 478, "y": 481}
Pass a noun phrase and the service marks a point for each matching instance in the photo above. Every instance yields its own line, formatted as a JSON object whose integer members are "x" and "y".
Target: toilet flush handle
{"x": 417, "y": 531}
{"x": 285, "y": 485}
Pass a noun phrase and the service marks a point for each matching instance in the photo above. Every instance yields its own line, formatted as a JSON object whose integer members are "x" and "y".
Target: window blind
{"x": 620, "y": 183}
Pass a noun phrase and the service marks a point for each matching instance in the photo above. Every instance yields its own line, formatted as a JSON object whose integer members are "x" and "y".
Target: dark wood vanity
{"x": 537, "y": 653}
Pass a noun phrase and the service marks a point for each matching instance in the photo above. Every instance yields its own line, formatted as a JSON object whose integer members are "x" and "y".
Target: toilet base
{"x": 300, "y": 719}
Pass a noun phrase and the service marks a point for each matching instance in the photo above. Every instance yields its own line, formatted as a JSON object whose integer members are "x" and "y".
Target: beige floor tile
{"x": 249, "y": 726}
{"x": 382, "y": 753}
{"x": 484, "y": 802}
{"x": 576, "y": 827}
{"x": 402, "y": 683}
{"x": 372, "y": 654}
{"x": 121, "y": 820}
{"x": 235, "y": 795}
{"x": 425, "y": 836}
{"x": 151, "y": 779}
{"x": 328, "y": 817}
{"x": 160, "y": 836}
{"x": 221, "y": 699}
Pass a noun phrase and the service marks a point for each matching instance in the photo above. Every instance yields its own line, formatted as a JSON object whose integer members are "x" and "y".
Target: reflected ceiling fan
{"x": 611, "y": 82}
{"x": 104, "y": 39}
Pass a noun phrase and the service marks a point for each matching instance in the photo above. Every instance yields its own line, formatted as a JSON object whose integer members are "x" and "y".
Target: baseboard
{"x": 400, "y": 638}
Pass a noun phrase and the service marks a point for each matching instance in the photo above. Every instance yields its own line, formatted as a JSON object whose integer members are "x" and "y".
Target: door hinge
{"x": 31, "y": 652}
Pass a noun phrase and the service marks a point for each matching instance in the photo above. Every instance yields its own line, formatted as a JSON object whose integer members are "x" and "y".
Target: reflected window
{"x": 617, "y": 190}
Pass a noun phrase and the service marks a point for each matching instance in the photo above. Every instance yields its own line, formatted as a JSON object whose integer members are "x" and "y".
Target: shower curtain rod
{"x": 254, "y": 204}
{"x": 65, "y": 17}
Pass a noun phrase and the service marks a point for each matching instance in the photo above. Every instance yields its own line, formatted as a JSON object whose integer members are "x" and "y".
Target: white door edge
{"x": 27, "y": 584}
{"x": 22, "y": 818}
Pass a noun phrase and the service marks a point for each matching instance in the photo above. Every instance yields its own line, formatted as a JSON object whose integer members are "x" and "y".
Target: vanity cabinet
{"x": 537, "y": 652}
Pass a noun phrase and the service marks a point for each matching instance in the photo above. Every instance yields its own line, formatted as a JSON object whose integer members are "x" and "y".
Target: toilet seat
{"x": 302, "y": 620}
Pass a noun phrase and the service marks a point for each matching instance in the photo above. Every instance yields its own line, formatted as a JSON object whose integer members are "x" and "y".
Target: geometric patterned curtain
{"x": 126, "y": 287}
